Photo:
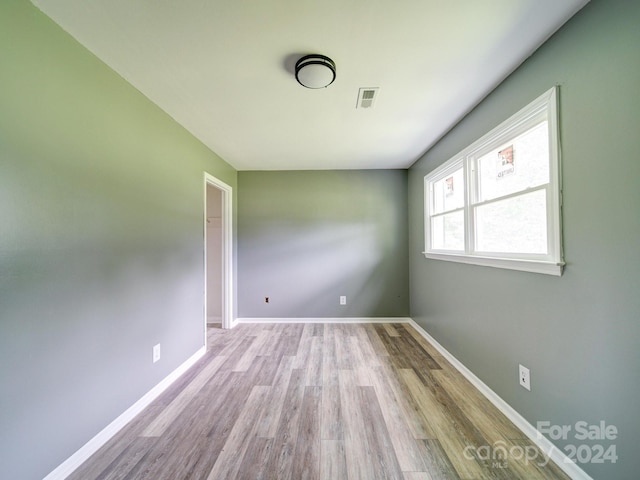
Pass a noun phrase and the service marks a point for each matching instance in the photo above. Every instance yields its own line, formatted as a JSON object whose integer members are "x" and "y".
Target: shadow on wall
{"x": 305, "y": 274}
{"x": 305, "y": 238}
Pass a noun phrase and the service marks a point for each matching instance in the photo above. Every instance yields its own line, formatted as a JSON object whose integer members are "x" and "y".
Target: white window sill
{"x": 535, "y": 266}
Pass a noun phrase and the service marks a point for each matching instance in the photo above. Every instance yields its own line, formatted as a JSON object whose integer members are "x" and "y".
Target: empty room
{"x": 319, "y": 240}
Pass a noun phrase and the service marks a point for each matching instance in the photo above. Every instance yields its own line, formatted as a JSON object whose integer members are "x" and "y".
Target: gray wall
{"x": 307, "y": 237}
{"x": 579, "y": 334}
{"x": 101, "y": 243}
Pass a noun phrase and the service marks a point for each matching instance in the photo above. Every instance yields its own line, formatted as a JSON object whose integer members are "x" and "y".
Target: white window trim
{"x": 550, "y": 264}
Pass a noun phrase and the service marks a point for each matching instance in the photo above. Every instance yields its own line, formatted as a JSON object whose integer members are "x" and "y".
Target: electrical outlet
{"x": 525, "y": 377}
{"x": 156, "y": 353}
{"x": 343, "y": 300}
{"x": 266, "y": 299}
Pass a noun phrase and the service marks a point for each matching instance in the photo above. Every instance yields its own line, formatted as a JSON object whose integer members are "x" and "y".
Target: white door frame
{"x": 227, "y": 251}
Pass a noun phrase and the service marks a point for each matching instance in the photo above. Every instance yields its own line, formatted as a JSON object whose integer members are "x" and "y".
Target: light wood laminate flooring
{"x": 319, "y": 401}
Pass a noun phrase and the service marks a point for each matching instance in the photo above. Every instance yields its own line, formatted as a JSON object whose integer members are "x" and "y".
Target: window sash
{"x": 503, "y": 254}
{"x": 448, "y": 172}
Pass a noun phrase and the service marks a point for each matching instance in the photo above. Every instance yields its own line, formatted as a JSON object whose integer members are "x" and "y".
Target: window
{"x": 497, "y": 203}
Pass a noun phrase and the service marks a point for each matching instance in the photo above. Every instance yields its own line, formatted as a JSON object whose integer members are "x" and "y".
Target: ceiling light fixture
{"x": 315, "y": 71}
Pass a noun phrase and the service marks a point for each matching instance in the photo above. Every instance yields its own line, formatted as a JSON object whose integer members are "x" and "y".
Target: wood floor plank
{"x": 395, "y": 354}
{"x": 523, "y": 454}
{"x": 333, "y": 464}
{"x": 259, "y": 340}
{"x": 437, "y": 462}
{"x": 290, "y": 343}
{"x": 344, "y": 353}
{"x": 374, "y": 340}
{"x": 177, "y": 452}
{"x": 190, "y": 446}
{"x": 229, "y": 461}
{"x": 430, "y": 349}
{"x": 169, "y": 414}
{"x": 329, "y": 357}
{"x": 269, "y": 369}
{"x": 318, "y": 329}
{"x": 237, "y": 345}
{"x": 271, "y": 345}
{"x": 185, "y": 456}
{"x": 315, "y": 365}
{"x": 331, "y": 427}
{"x": 255, "y": 459}
{"x": 360, "y": 465}
{"x": 217, "y": 342}
{"x": 280, "y": 346}
{"x": 494, "y": 424}
{"x": 304, "y": 348}
{"x": 284, "y": 445}
{"x": 448, "y": 408}
{"x": 451, "y": 439}
{"x": 383, "y": 455}
{"x": 414, "y": 350}
{"x": 361, "y": 367}
{"x": 132, "y": 460}
{"x": 123, "y": 465}
{"x": 406, "y": 447}
{"x": 184, "y": 380}
{"x": 391, "y": 330}
{"x": 229, "y": 398}
{"x": 111, "y": 450}
{"x": 369, "y": 354}
{"x": 456, "y": 430}
{"x": 306, "y": 459}
{"x": 415, "y": 417}
{"x": 417, "y": 476}
{"x": 268, "y": 422}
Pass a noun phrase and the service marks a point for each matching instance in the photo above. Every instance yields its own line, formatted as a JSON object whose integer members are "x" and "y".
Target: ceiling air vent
{"x": 367, "y": 97}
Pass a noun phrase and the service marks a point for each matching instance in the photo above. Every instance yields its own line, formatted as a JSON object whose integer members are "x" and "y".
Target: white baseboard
{"x": 556, "y": 454}
{"x": 324, "y": 320}
{"x": 74, "y": 461}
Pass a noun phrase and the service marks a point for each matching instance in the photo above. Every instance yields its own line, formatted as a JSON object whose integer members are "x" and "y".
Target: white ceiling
{"x": 224, "y": 69}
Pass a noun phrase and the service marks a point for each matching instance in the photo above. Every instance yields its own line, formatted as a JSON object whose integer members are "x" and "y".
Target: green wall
{"x": 579, "y": 334}
{"x": 101, "y": 243}
{"x": 307, "y": 237}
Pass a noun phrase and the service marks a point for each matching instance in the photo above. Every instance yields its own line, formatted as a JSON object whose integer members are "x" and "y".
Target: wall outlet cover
{"x": 156, "y": 353}
{"x": 524, "y": 376}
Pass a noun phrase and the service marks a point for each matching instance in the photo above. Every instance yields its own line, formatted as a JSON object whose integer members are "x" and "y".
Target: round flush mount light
{"x": 315, "y": 71}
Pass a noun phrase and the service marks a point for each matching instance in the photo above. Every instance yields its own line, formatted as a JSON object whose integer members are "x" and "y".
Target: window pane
{"x": 447, "y": 232}
{"x": 521, "y": 163}
{"x": 515, "y": 225}
{"x": 448, "y": 193}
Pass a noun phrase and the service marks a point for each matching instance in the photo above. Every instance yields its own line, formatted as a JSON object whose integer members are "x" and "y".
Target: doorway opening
{"x": 218, "y": 239}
